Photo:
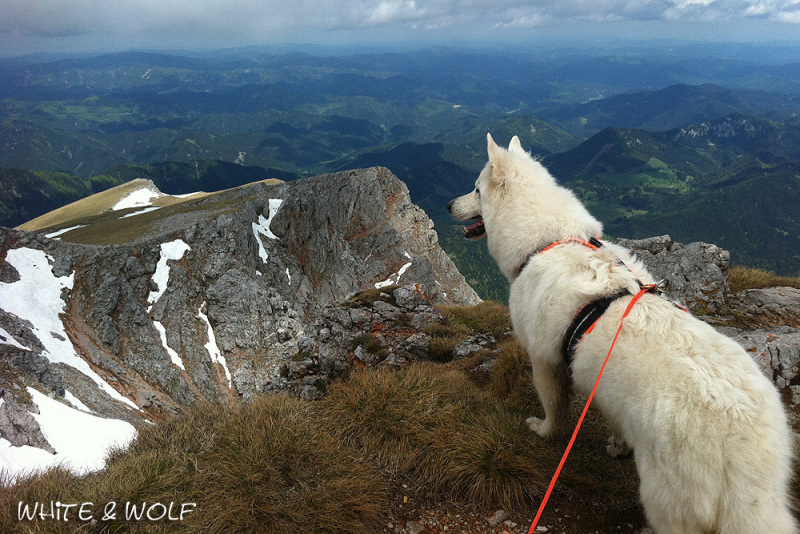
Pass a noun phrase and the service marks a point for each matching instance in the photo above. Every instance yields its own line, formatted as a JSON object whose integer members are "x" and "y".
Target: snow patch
{"x": 174, "y": 250}
{"x": 36, "y": 297}
{"x": 289, "y": 276}
{"x": 162, "y": 332}
{"x": 8, "y": 339}
{"x": 138, "y": 199}
{"x": 140, "y": 212}
{"x": 262, "y": 227}
{"x": 81, "y": 440}
{"x": 211, "y": 346}
{"x": 393, "y": 279}
{"x": 76, "y": 402}
{"x": 55, "y": 235}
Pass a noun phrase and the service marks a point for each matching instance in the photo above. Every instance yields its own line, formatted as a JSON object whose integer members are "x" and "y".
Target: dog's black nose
{"x": 450, "y": 205}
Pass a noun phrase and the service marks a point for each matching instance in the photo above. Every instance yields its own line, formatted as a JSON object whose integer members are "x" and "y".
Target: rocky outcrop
{"x": 208, "y": 300}
{"x": 379, "y": 327}
{"x": 697, "y": 272}
{"x": 766, "y": 322}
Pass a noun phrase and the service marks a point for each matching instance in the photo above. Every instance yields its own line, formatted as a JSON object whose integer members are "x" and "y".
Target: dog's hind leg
{"x": 552, "y": 383}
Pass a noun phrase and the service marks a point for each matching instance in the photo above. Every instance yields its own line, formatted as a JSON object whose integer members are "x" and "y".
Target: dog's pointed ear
{"x": 492, "y": 148}
{"x": 516, "y": 146}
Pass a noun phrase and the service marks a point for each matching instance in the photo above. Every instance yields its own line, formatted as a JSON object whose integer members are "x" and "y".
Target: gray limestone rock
{"x": 697, "y": 272}
{"x": 263, "y": 263}
{"x": 17, "y": 425}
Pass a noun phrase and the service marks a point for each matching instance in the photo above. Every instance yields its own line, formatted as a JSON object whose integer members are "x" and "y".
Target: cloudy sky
{"x": 96, "y": 25}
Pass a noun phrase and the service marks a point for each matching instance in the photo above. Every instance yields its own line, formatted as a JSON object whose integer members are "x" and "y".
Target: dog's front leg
{"x": 552, "y": 385}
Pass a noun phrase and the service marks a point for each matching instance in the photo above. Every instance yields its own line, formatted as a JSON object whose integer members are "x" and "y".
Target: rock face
{"x": 697, "y": 272}
{"x": 766, "y": 322}
{"x": 208, "y": 300}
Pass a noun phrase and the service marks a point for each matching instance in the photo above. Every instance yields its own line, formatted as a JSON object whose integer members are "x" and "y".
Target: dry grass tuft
{"x": 55, "y": 485}
{"x": 430, "y": 427}
{"x": 275, "y": 468}
{"x": 511, "y": 378}
{"x": 742, "y": 278}
{"x": 391, "y": 415}
{"x": 488, "y": 317}
{"x": 270, "y": 466}
{"x": 368, "y": 297}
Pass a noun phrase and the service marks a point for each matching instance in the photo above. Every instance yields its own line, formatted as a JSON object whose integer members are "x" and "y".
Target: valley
{"x": 655, "y": 140}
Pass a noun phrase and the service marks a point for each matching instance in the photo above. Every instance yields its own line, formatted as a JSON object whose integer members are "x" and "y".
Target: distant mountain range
{"x": 652, "y": 140}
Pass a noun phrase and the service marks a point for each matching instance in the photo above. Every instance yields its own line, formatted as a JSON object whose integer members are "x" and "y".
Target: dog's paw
{"x": 617, "y": 448}
{"x": 543, "y": 427}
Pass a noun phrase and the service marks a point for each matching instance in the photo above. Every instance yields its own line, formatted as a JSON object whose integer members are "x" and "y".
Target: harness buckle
{"x": 662, "y": 286}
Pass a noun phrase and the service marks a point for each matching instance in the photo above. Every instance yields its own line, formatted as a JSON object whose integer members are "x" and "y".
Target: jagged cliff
{"x": 136, "y": 310}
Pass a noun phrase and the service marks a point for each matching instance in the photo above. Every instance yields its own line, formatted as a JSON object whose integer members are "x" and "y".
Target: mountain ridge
{"x": 205, "y": 300}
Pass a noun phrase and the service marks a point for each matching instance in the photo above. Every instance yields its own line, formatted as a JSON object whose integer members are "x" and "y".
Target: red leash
{"x": 645, "y": 289}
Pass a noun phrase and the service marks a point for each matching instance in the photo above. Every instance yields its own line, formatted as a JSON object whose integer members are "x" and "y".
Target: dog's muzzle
{"x": 474, "y": 231}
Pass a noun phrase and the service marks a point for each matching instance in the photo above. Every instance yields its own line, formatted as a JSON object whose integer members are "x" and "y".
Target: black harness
{"x": 588, "y": 316}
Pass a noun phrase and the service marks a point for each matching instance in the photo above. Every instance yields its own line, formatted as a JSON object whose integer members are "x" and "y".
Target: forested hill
{"x": 652, "y": 138}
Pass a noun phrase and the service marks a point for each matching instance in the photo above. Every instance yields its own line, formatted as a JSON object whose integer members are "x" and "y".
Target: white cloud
{"x": 273, "y": 20}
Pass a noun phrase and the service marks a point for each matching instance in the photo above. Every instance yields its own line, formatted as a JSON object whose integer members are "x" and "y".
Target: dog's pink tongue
{"x": 474, "y": 226}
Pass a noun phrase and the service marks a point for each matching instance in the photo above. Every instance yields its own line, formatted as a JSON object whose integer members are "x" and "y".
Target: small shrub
{"x": 373, "y": 346}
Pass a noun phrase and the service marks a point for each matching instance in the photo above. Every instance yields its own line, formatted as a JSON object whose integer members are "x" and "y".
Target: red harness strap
{"x": 592, "y": 243}
{"x": 645, "y": 289}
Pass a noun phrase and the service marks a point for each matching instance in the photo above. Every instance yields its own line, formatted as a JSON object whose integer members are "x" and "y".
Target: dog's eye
{"x": 477, "y": 191}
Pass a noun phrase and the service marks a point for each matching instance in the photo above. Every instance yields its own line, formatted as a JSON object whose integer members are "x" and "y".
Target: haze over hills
{"x": 647, "y": 137}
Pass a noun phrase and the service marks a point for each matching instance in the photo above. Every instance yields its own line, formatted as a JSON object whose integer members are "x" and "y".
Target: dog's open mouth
{"x": 475, "y": 230}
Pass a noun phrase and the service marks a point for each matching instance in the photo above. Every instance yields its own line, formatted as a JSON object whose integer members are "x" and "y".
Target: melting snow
{"x": 174, "y": 250}
{"x": 8, "y": 339}
{"x": 55, "y": 235}
{"x": 140, "y": 212}
{"x": 81, "y": 440}
{"x": 138, "y": 199}
{"x": 212, "y": 347}
{"x": 289, "y": 276}
{"x": 36, "y": 297}
{"x": 393, "y": 279}
{"x": 262, "y": 227}
{"x": 76, "y": 402}
{"x": 172, "y": 354}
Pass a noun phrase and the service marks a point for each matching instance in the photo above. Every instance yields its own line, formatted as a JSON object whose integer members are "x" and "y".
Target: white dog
{"x": 709, "y": 433}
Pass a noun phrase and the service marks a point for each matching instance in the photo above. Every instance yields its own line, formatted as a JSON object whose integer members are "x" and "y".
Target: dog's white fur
{"x": 709, "y": 433}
